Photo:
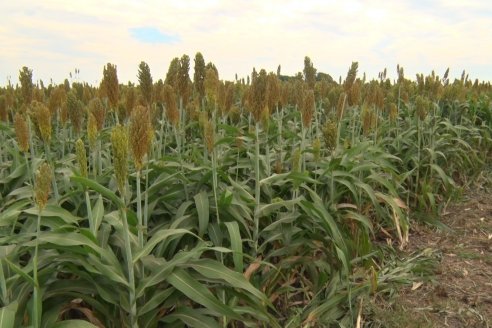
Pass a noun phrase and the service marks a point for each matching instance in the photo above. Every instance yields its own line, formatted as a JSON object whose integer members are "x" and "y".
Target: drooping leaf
{"x": 202, "y": 208}
{"x": 197, "y": 292}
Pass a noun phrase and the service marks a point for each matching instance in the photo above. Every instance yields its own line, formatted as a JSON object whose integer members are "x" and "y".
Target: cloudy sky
{"x": 53, "y": 37}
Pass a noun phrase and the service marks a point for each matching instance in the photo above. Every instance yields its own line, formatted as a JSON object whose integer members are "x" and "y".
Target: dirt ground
{"x": 460, "y": 293}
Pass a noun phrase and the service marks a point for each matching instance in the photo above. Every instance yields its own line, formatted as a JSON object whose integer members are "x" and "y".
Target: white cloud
{"x": 54, "y": 36}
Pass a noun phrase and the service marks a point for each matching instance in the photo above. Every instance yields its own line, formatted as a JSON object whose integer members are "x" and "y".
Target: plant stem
{"x": 53, "y": 181}
{"x": 92, "y": 226}
{"x": 139, "y": 212}
{"x": 161, "y": 134}
{"x": 215, "y": 183}
{"x": 418, "y": 161}
{"x": 303, "y": 155}
{"x": 37, "y": 307}
{"x": 257, "y": 189}
{"x": 99, "y": 161}
{"x": 339, "y": 125}
{"x": 31, "y": 142}
{"x": 129, "y": 263}
{"x": 146, "y": 199}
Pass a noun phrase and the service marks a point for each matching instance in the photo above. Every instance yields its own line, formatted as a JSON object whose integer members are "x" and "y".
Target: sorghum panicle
{"x": 21, "y": 132}
{"x": 140, "y": 134}
{"x": 42, "y": 187}
{"x": 119, "y": 143}
{"x": 81, "y": 157}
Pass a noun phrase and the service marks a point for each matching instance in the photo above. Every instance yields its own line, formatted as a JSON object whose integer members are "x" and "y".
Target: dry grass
{"x": 461, "y": 293}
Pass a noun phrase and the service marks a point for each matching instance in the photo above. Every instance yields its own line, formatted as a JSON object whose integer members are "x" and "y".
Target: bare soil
{"x": 460, "y": 293}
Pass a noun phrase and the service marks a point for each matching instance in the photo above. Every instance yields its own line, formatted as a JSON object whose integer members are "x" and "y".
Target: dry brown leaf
{"x": 252, "y": 268}
{"x": 400, "y": 203}
{"x": 416, "y": 285}
{"x": 346, "y": 205}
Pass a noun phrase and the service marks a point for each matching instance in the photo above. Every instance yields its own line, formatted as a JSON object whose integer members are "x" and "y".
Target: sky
{"x": 55, "y": 37}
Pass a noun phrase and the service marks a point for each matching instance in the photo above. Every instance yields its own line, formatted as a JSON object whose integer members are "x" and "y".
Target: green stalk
{"x": 53, "y": 181}
{"x": 129, "y": 263}
{"x": 237, "y": 165}
{"x": 165, "y": 141}
{"x": 37, "y": 308}
{"x": 31, "y": 142}
{"x": 161, "y": 134}
{"x": 180, "y": 158}
{"x": 354, "y": 123}
{"x": 215, "y": 182}
{"x": 99, "y": 161}
{"x": 92, "y": 163}
{"x": 139, "y": 212}
{"x": 92, "y": 225}
{"x": 398, "y": 114}
{"x": 257, "y": 189}
{"x": 377, "y": 126}
{"x": 339, "y": 125}
{"x": 215, "y": 188}
{"x": 63, "y": 141}
{"x": 178, "y": 141}
{"x": 181, "y": 124}
{"x": 418, "y": 161}
{"x": 316, "y": 121}
{"x": 303, "y": 140}
{"x": 335, "y": 151}
{"x": 115, "y": 115}
{"x": 146, "y": 199}
{"x": 280, "y": 121}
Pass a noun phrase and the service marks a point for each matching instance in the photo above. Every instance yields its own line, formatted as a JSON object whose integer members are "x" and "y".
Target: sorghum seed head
{"x": 209, "y": 135}
{"x": 296, "y": 160}
{"x": 92, "y": 130}
{"x": 316, "y": 149}
{"x": 21, "y": 132}
{"x": 330, "y": 134}
{"x": 307, "y": 109}
{"x": 81, "y": 157}
{"x": 368, "y": 116}
{"x": 43, "y": 120}
{"x": 421, "y": 107}
{"x": 172, "y": 112}
{"x": 96, "y": 108}
{"x": 140, "y": 134}
{"x": 393, "y": 112}
{"x": 119, "y": 143}
{"x": 341, "y": 105}
{"x": 42, "y": 185}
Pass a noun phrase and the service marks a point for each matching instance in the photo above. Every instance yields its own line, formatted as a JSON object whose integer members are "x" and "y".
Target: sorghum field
{"x": 271, "y": 201}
